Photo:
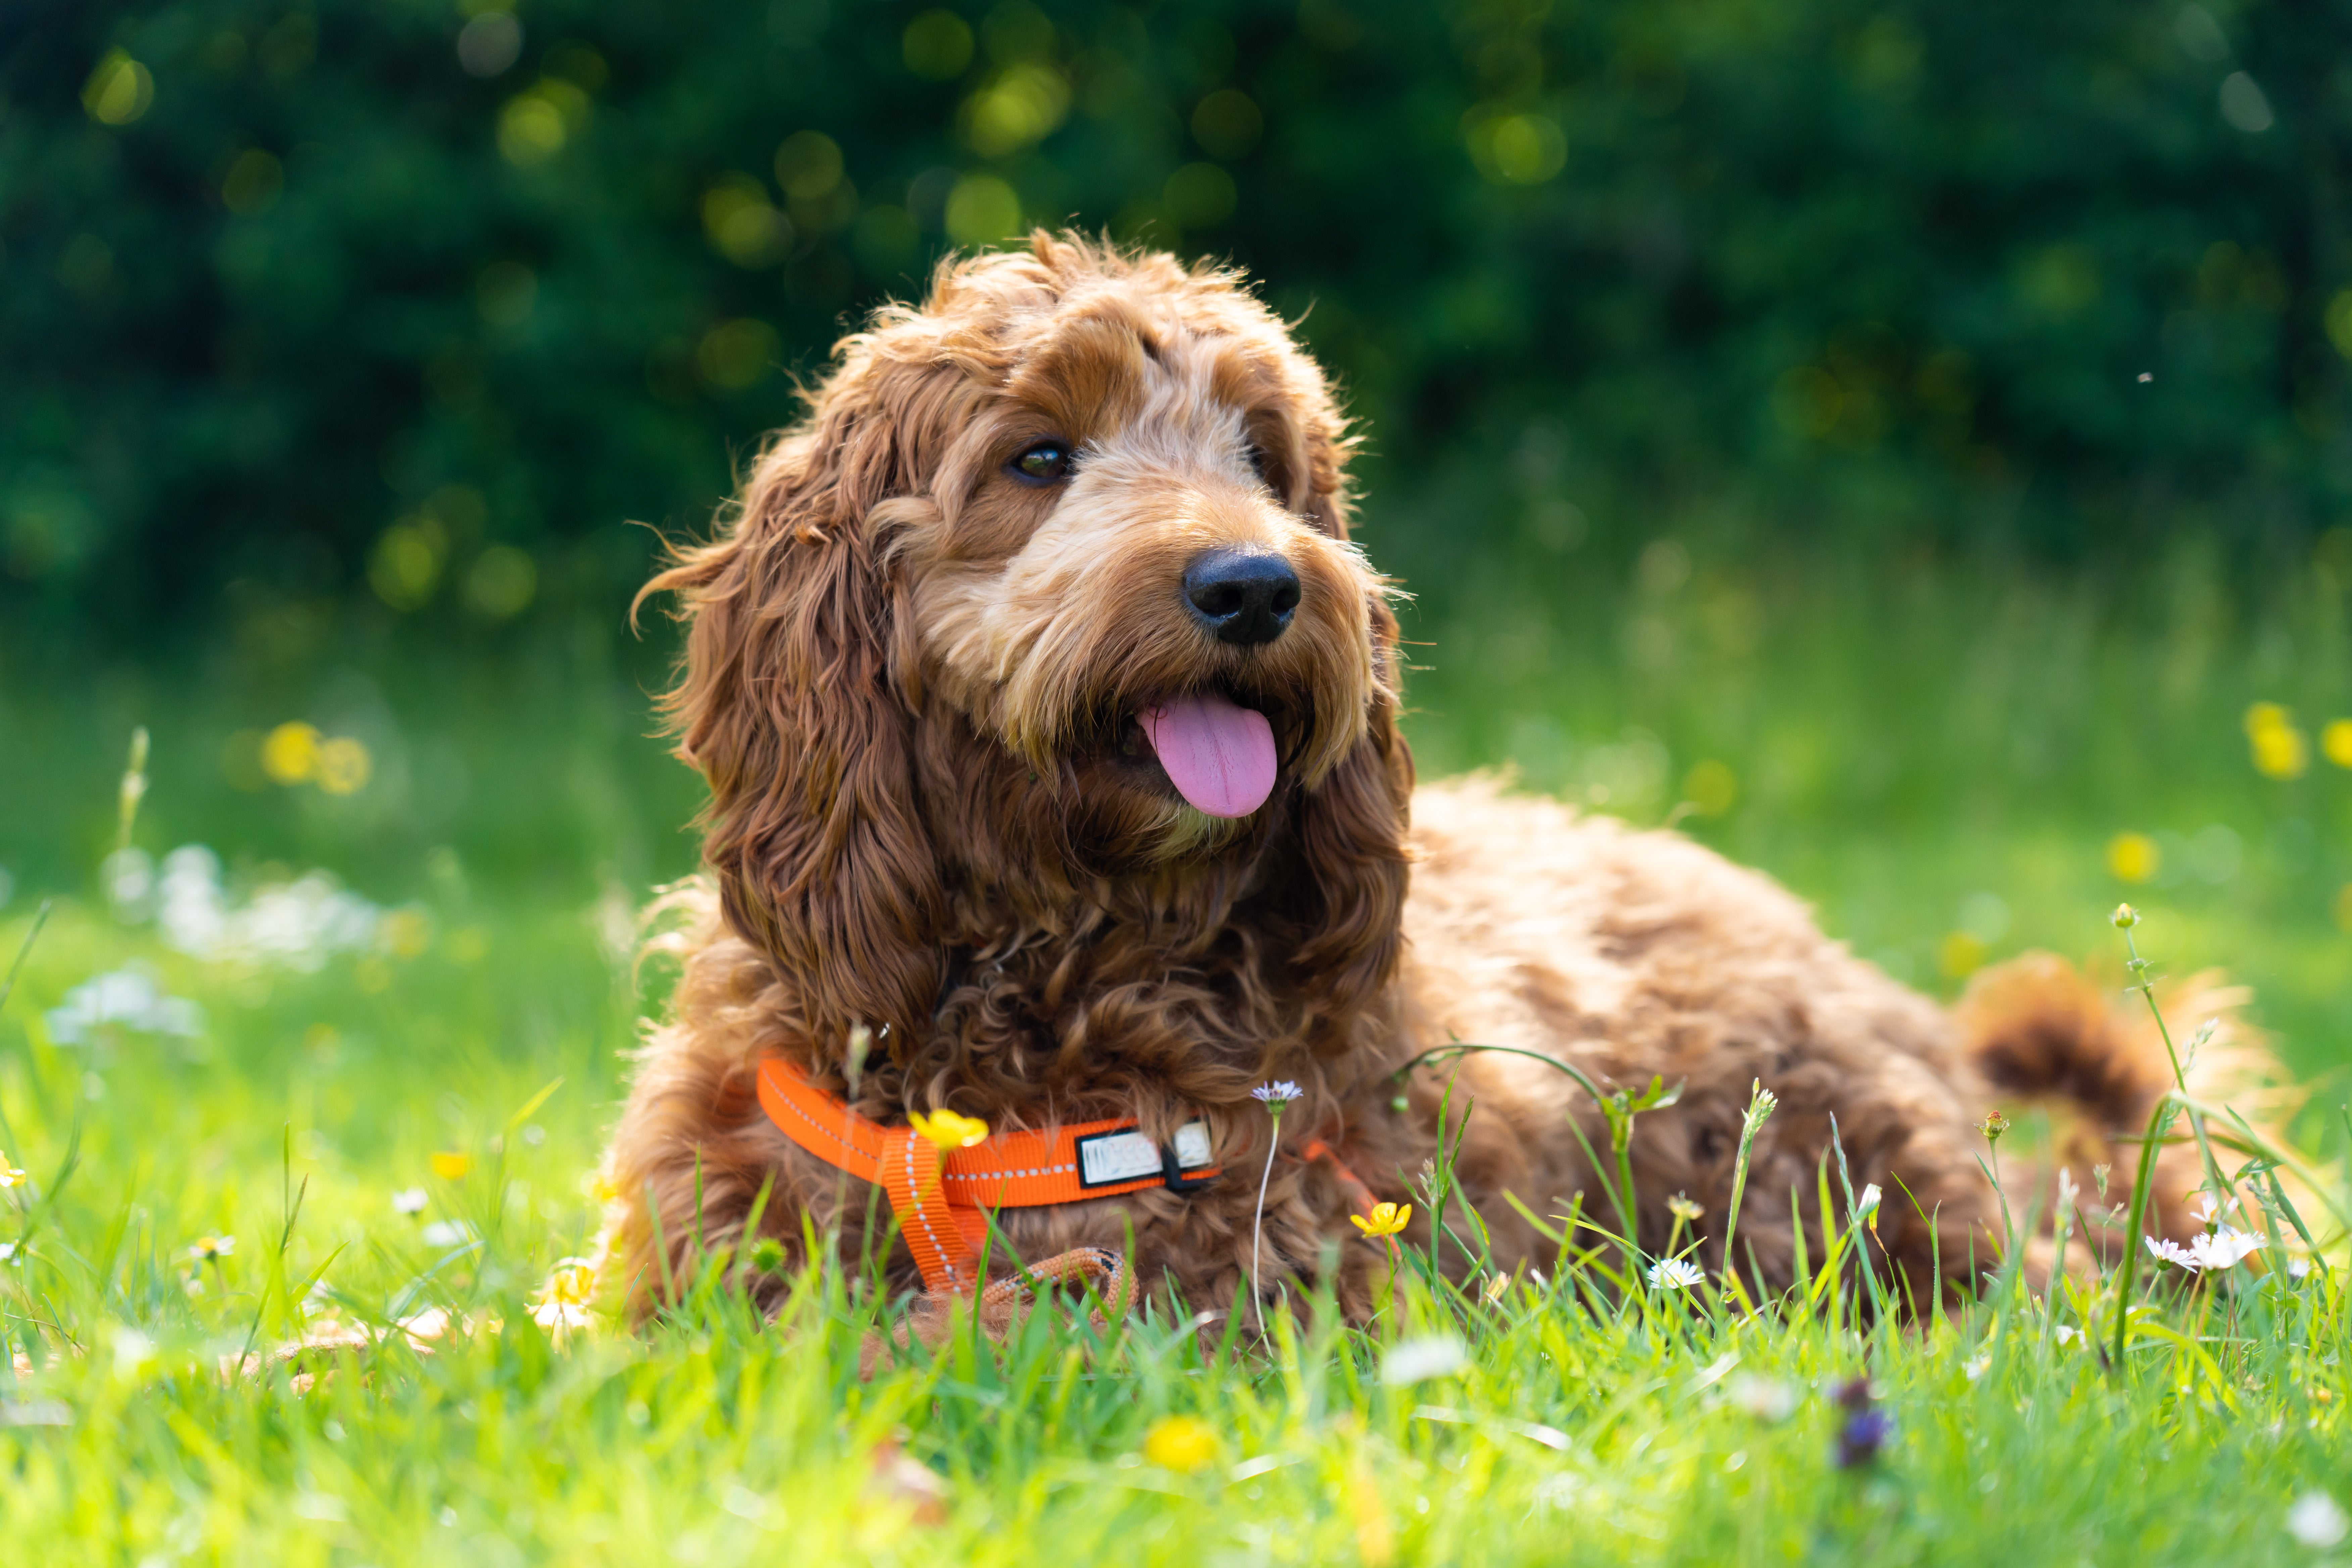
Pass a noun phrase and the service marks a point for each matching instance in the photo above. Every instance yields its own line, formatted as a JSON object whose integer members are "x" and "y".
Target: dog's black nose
{"x": 1244, "y": 596}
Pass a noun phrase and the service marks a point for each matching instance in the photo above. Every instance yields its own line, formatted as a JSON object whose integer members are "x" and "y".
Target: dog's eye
{"x": 1044, "y": 463}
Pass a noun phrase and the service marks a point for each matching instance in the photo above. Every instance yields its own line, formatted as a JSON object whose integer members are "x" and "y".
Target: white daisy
{"x": 2224, "y": 1248}
{"x": 2207, "y": 1209}
{"x": 1676, "y": 1274}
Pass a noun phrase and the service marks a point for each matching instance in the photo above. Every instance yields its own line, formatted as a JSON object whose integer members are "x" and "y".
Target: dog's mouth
{"x": 1218, "y": 755}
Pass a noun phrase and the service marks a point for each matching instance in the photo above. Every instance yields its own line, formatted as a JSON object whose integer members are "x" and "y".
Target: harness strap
{"x": 941, "y": 1197}
{"x": 1359, "y": 1192}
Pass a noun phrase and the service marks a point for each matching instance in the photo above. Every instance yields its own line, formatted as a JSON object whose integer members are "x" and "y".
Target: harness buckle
{"x": 1189, "y": 1151}
{"x": 1173, "y": 1173}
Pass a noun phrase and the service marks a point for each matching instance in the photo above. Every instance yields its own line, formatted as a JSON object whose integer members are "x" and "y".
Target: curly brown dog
{"x": 1050, "y": 722}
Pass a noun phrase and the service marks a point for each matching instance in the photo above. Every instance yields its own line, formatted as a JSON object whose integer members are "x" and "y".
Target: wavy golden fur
{"x": 911, "y": 680}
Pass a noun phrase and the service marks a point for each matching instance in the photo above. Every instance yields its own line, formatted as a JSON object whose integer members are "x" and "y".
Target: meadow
{"x": 1902, "y": 449}
{"x": 351, "y": 1060}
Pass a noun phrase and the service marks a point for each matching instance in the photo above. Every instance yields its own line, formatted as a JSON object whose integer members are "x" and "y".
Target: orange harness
{"x": 941, "y": 1197}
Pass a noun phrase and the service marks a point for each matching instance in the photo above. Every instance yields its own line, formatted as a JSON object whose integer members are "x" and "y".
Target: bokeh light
{"x": 119, "y": 90}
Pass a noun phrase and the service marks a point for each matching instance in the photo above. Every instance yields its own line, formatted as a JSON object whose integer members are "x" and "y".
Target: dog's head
{"x": 1049, "y": 600}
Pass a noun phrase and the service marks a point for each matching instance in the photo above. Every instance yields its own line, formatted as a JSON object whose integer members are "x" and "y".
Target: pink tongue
{"x": 1220, "y": 755}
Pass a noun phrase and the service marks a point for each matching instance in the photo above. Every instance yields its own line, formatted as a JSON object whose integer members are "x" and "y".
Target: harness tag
{"x": 1109, "y": 1157}
{"x": 1106, "y": 1159}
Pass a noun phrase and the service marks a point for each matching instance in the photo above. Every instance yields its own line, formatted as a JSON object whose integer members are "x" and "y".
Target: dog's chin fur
{"x": 1184, "y": 832}
{"x": 911, "y": 680}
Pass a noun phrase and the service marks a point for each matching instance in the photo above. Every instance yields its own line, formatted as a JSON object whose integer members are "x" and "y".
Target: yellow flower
{"x": 9, "y": 1174}
{"x": 2133, "y": 857}
{"x": 290, "y": 754}
{"x": 950, "y": 1131}
{"x": 1682, "y": 1208}
{"x": 2335, "y": 743}
{"x": 295, "y": 752}
{"x": 1993, "y": 1126}
{"x": 452, "y": 1166}
{"x": 1386, "y": 1219}
{"x": 2280, "y": 749}
{"x": 2281, "y": 754}
{"x": 1183, "y": 1443}
{"x": 601, "y": 1188}
{"x": 560, "y": 1306}
{"x": 569, "y": 1283}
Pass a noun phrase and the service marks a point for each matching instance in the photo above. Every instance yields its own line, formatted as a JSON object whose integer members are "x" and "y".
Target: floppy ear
{"x": 788, "y": 706}
{"x": 1351, "y": 831}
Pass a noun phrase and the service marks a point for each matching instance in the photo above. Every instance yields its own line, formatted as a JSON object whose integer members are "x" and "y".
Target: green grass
{"x": 1922, "y": 749}
{"x": 1918, "y": 752}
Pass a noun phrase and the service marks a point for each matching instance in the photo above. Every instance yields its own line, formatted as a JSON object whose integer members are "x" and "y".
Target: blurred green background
{"x": 1902, "y": 444}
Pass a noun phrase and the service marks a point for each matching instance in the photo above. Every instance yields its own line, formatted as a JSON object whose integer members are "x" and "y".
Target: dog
{"x": 1050, "y": 721}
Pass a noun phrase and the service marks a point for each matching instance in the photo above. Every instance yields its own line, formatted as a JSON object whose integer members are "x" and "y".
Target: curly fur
{"x": 909, "y": 681}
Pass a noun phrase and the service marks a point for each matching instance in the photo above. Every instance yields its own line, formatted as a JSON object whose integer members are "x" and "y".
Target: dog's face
{"x": 1050, "y": 599}
{"x": 1126, "y": 567}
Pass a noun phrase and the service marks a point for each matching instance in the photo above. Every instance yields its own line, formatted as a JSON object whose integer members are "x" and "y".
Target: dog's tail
{"x": 2043, "y": 1033}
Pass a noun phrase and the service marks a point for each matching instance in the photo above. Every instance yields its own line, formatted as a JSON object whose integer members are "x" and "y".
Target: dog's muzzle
{"x": 1242, "y": 596}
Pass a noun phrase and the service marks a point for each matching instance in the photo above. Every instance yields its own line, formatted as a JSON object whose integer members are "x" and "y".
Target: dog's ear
{"x": 788, "y": 705}
{"x": 1352, "y": 832}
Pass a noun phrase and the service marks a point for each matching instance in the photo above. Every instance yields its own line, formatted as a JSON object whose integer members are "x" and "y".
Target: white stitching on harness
{"x": 945, "y": 1261}
{"x": 793, "y": 1106}
{"x": 1010, "y": 1175}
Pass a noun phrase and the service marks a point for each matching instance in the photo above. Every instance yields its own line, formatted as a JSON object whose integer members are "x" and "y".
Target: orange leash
{"x": 941, "y": 1197}
{"x": 1359, "y": 1193}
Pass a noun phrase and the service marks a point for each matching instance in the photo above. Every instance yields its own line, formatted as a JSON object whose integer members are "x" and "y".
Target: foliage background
{"x": 1831, "y": 266}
